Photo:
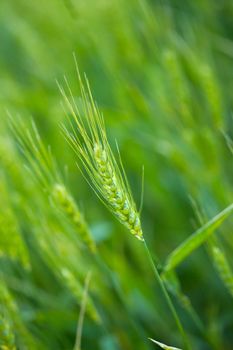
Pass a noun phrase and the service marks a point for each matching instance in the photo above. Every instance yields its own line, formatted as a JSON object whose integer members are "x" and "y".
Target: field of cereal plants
{"x": 116, "y": 175}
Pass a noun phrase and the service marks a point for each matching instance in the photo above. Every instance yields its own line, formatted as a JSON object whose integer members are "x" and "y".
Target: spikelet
{"x": 11, "y": 241}
{"x": 113, "y": 192}
{"x": 69, "y": 207}
{"x": 209, "y": 85}
{"x": 178, "y": 83}
{"x": 223, "y": 267}
{"x": 89, "y": 140}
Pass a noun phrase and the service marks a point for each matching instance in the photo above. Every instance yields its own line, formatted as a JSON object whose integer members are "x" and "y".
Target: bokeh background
{"x": 161, "y": 73}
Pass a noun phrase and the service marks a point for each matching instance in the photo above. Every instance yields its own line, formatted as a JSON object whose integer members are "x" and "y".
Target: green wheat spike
{"x": 69, "y": 207}
{"x": 222, "y": 266}
{"x": 11, "y": 241}
{"x": 88, "y": 138}
{"x": 44, "y": 168}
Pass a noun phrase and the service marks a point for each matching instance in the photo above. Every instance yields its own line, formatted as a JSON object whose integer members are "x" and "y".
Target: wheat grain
{"x": 113, "y": 193}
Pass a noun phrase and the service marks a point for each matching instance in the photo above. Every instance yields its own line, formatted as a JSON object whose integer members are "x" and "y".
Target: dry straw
{"x": 89, "y": 140}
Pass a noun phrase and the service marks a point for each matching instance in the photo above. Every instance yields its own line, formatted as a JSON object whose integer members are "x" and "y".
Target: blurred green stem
{"x": 168, "y": 299}
{"x": 82, "y": 313}
{"x": 117, "y": 288}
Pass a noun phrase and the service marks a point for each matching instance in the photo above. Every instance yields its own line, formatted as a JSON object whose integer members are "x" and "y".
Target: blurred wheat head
{"x": 44, "y": 169}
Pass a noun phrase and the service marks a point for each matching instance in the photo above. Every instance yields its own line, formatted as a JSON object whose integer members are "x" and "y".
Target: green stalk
{"x": 168, "y": 299}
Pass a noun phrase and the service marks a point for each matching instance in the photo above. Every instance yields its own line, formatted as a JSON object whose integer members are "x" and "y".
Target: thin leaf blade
{"x": 196, "y": 239}
{"x": 164, "y": 346}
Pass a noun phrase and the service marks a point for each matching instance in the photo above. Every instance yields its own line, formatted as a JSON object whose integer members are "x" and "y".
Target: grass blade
{"x": 196, "y": 239}
{"x": 163, "y": 346}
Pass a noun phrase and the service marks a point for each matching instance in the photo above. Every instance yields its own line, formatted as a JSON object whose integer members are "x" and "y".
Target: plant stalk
{"x": 168, "y": 299}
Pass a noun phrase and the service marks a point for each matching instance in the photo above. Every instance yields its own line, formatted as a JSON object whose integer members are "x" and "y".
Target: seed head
{"x": 69, "y": 208}
{"x": 88, "y": 139}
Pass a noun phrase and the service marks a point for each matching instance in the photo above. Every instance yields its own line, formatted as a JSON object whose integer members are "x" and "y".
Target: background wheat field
{"x": 71, "y": 275}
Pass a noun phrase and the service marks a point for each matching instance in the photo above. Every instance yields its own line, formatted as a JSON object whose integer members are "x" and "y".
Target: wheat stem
{"x": 76, "y": 288}
{"x": 167, "y": 297}
{"x": 82, "y": 313}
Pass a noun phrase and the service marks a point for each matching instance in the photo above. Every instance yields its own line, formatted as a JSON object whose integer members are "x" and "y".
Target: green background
{"x": 161, "y": 73}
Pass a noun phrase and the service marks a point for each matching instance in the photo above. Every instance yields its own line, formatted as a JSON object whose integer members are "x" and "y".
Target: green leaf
{"x": 163, "y": 346}
{"x": 196, "y": 239}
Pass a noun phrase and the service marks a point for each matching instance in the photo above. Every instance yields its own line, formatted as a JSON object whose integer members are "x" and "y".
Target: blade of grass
{"x": 196, "y": 239}
{"x": 163, "y": 346}
{"x": 82, "y": 313}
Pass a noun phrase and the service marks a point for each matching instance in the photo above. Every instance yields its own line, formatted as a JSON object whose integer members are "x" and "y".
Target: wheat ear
{"x": 44, "y": 168}
{"x": 89, "y": 140}
{"x": 69, "y": 208}
{"x": 114, "y": 193}
{"x": 223, "y": 267}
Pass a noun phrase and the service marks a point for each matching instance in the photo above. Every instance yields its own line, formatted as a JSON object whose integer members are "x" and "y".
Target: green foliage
{"x": 163, "y": 346}
{"x": 197, "y": 238}
{"x": 160, "y": 74}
